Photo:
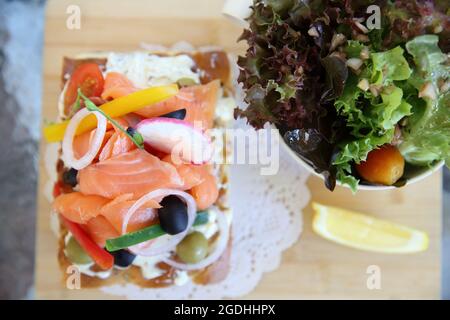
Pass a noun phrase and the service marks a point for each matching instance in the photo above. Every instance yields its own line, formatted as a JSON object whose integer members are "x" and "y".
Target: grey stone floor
{"x": 20, "y": 64}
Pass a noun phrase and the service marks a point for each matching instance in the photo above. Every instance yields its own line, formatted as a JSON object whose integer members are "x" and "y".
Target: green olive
{"x": 75, "y": 253}
{"x": 184, "y": 82}
{"x": 193, "y": 248}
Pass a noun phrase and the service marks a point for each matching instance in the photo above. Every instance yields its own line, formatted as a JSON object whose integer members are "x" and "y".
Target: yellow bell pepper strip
{"x": 115, "y": 108}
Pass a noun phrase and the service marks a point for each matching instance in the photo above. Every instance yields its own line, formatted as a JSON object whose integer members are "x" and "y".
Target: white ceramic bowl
{"x": 420, "y": 175}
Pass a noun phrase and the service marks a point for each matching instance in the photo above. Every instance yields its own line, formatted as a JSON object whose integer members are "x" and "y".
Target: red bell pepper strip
{"x": 57, "y": 189}
{"x": 100, "y": 256}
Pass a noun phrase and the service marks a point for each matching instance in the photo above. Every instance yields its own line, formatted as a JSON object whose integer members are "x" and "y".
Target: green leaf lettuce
{"x": 372, "y": 117}
{"x": 427, "y": 136}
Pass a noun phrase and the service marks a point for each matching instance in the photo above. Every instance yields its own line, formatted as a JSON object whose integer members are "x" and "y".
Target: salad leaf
{"x": 372, "y": 118}
{"x": 353, "y": 49}
{"x": 389, "y": 66}
{"x": 427, "y": 135}
{"x": 311, "y": 146}
{"x": 349, "y": 106}
{"x": 346, "y": 177}
{"x": 355, "y": 152}
{"x": 428, "y": 59}
{"x": 358, "y": 149}
{"x": 403, "y": 20}
{"x": 364, "y": 115}
{"x": 391, "y": 110}
{"x": 337, "y": 73}
{"x": 429, "y": 140}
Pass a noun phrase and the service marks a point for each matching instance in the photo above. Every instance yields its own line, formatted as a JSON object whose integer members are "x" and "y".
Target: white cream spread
{"x": 210, "y": 228}
{"x": 224, "y": 109}
{"x": 86, "y": 269}
{"x": 61, "y": 100}
{"x": 181, "y": 278}
{"x": 149, "y": 266}
{"x": 147, "y": 70}
{"x": 54, "y": 223}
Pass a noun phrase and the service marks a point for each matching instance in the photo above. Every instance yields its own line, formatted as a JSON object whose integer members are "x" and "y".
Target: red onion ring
{"x": 221, "y": 245}
{"x": 148, "y": 248}
{"x": 94, "y": 146}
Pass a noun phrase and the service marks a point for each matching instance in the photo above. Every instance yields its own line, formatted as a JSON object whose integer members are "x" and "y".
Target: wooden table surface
{"x": 313, "y": 268}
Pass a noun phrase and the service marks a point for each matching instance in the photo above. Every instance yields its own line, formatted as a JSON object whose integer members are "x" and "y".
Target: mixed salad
{"x": 360, "y": 105}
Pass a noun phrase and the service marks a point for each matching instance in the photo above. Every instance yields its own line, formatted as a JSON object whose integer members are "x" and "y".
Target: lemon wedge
{"x": 363, "y": 232}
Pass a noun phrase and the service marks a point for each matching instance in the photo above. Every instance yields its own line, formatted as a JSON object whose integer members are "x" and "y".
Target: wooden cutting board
{"x": 313, "y": 268}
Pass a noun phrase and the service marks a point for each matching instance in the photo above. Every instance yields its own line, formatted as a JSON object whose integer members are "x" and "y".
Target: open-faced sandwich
{"x": 138, "y": 196}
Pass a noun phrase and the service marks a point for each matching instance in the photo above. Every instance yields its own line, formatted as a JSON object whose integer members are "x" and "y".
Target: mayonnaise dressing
{"x": 210, "y": 228}
{"x": 149, "y": 266}
{"x": 86, "y": 269}
{"x": 224, "y": 109}
{"x": 181, "y": 278}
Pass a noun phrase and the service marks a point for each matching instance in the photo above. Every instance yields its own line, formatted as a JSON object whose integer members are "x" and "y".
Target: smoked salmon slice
{"x": 103, "y": 218}
{"x": 199, "y": 180}
{"x": 199, "y": 101}
{"x": 100, "y": 230}
{"x": 81, "y": 143}
{"x": 115, "y": 212}
{"x": 183, "y": 100}
{"x": 205, "y": 193}
{"x": 190, "y": 174}
{"x": 136, "y": 172}
{"x": 117, "y": 144}
{"x": 77, "y": 207}
{"x": 203, "y": 107}
{"x": 117, "y": 85}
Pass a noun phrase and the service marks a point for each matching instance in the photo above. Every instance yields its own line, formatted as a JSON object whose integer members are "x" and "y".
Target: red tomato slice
{"x": 100, "y": 256}
{"x": 382, "y": 166}
{"x": 89, "y": 78}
